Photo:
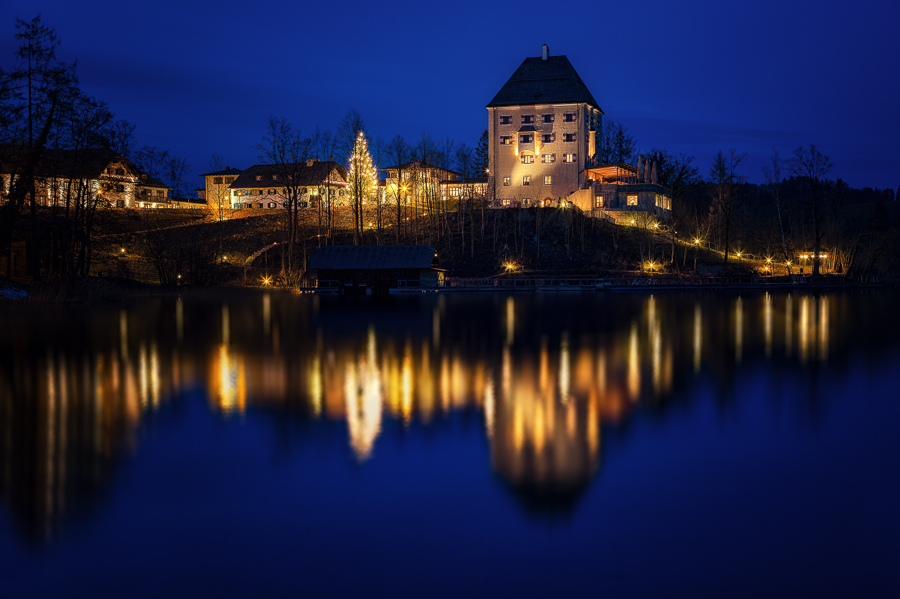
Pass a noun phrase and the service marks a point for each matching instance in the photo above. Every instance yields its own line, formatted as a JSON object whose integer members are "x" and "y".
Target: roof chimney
{"x": 545, "y": 52}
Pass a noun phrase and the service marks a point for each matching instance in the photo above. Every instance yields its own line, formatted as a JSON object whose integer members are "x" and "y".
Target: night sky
{"x": 691, "y": 76}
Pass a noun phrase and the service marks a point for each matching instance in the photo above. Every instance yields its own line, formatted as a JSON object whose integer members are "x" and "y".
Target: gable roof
{"x": 538, "y": 81}
{"x": 309, "y": 176}
{"x": 416, "y": 165}
{"x": 226, "y": 171}
{"x": 147, "y": 180}
{"x": 372, "y": 257}
{"x": 64, "y": 164}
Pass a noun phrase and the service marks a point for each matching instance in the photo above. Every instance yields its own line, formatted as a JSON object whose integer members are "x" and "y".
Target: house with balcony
{"x": 627, "y": 194}
{"x": 96, "y": 177}
{"x": 416, "y": 181}
{"x": 263, "y": 186}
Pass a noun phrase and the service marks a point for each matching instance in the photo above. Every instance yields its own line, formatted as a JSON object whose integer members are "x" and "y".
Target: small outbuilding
{"x": 377, "y": 267}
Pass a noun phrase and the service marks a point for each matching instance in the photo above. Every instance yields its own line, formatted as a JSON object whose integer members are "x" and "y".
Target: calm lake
{"x": 616, "y": 444}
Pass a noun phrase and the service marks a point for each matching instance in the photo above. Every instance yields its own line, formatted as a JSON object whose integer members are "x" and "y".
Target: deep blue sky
{"x": 690, "y": 76}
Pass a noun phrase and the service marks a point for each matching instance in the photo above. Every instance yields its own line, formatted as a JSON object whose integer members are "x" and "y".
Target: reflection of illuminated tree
{"x": 362, "y": 392}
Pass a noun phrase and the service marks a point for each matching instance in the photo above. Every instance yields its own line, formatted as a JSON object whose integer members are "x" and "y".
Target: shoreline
{"x": 106, "y": 291}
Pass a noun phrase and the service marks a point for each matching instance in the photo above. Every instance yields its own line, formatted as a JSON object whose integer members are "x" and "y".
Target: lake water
{"x": 616, "y": 444}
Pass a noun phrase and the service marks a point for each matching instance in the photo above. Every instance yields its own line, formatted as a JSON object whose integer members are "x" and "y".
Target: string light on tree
{"x": 363, "y": 179}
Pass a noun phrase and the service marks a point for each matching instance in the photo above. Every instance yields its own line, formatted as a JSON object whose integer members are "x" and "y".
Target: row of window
{"x": 528, "y": 119}
{"x": 222, "y": 180}
{"x": 546, "y": 158}
{"x": 528, "y": 138}
{"x": 526, "y": 180}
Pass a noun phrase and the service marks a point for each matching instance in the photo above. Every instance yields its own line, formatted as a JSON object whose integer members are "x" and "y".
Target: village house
{"x": 416, "y": 181}
{"x": 216, "y": 191}
{"x": 465, "y": 188}
{"x": 261, "y": 187}
{"x": 95, "y": 177}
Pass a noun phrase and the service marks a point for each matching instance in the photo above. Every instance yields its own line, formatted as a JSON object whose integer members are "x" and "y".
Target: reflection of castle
{"x": 544, "y": 394}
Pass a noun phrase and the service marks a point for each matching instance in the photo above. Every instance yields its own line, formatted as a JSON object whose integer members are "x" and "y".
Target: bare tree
{"x": 286, "y": 151}
{"x": 618, "y": 144}
{"x": 723, "y": 180}
{"x": 398, "y": 152}
{"x": 812, "y": 167}
{"x": 347, "y": 133}
{"x": 42, "y": 82}
{"x": 773, "y": 184}
{"x": 680, "y": 176}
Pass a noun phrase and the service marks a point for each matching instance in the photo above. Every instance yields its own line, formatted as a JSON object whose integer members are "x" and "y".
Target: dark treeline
{"x": 54, "y": 141}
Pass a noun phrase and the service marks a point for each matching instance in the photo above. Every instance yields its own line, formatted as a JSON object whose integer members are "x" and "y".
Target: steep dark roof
{"x": 538, "y": 81}
{"x": 146, "y": 180}
{"x": 466, "y": 180}
{"x": 63, "y": 164}
{"x": 309, "y": 175}
{"x": 372, "y": 257}
{"x": 415, "y": 165}
{"x": 226, "y": 171}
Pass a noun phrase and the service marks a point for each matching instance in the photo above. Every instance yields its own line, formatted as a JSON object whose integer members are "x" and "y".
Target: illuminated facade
{"x": 87, "y": 177}
{"x": 544, "y": 128}
{"x": 261, "y": 186}
{"x": 416, "y": 181}
{"x": 627, "y": 194}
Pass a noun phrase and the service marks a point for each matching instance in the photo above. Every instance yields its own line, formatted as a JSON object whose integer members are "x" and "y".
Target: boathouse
{"x": 376, "y": 267}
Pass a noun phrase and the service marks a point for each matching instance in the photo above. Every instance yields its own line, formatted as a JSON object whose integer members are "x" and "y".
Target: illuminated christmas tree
{"x": 363, "y": 182}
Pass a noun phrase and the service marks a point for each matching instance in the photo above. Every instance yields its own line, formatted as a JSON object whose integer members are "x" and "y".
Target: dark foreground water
{"x": 546, "y": 445}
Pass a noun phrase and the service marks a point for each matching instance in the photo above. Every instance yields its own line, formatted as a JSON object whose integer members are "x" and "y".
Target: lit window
{"x": 505, "y": 140}
{"x": 548, "y": 158}
{"x": 569, "y": 117}
{"x": 527, "y": 119}
{"x": 527, "y": 158}
{"x": 569, "y": 137}
{"x": 547, "y": 118}
{"x": 549, "y": 138}
{"x": 569, "y": 158}
{"x": 259, "y": 177}
{"x": 526, "y": 180}
{"x": 548, "y": 180}
{"x": 505, "y": 119}
{"x": 505, "y": 181}
{"x": 506, "y": 202}
{"x": 599, "y": 201}
{"x": 526, "y": 138}
{"x": 631, "y": 200}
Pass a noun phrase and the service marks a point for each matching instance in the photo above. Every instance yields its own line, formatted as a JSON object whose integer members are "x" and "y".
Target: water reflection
{"x": 546, "y": 376}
